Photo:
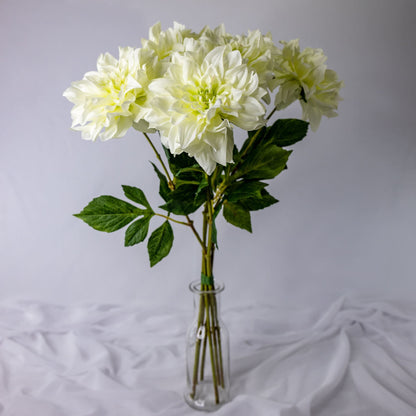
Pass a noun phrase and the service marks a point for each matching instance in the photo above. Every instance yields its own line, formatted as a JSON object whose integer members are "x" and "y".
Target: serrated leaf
{"x": 264, "y": 163}
{"x": 160, "y": 243}
{"x": 242, "y": 190}
{"x": 255, "y": 204}
{"x": 107, "y": 213}
{"x": 194, "y": 169}
{"x": 178, "y": 162}
{"x": 180, "y": 182}
{"x": 137, "y": 231}
{"x": 136, "y": 195}
{"x": 237, "y": 215}
{"x": 182, "y": 201}
{"x": 203, "y": 185}
{"x": 286, "y": 132}
{"x": 258, "y": 139}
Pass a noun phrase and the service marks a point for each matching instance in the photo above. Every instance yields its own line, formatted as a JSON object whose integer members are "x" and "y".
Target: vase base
{"x": 204, "y": 398}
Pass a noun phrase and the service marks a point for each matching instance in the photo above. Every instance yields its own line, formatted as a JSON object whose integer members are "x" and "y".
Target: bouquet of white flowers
{"x": 193, "y": 89}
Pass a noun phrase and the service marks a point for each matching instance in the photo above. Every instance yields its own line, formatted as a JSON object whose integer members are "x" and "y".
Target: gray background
{"x": 345, "y": 223}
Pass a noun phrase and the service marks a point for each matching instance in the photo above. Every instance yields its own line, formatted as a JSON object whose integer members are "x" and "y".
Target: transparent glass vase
{"x": 207, "y": 351}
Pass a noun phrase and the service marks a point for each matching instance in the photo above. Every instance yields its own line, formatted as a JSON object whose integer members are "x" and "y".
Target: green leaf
{"x": 203, "y": 185}
{"x": 264, "y": 162}
{"x": 258, "y": 139}
{"x": 237, "y": 215}
{"x": 183, "y": 201}
{"x": 235, "y": 152}
{"x": 108, "y": 214}
{"x": 179, "y": 182}
{"x": 137, "y": 231}
{"x": 242, "y": 190}
{"x": 136, "y": 195}
{"x": 160, "y": 243}
{"x": 177, "y": 162}
{"x": 263, "y": 159}
{"x": 286, "y": 132}
{"x": 257, "y": 203}
{"x": 192, "y": 174}
{"x": 164, "y": 190}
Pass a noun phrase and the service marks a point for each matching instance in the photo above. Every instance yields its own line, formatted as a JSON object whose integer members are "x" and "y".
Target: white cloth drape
{"x": 354, "y": 358}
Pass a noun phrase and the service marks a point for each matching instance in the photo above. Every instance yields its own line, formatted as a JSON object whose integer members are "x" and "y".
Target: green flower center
{"x": 207, "y": 97}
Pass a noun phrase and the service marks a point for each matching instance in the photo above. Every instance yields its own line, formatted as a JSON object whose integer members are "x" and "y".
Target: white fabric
{"x": 355, "y": 358}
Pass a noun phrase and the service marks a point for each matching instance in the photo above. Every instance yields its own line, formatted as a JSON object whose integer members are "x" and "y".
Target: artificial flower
{"x": 259, "y": 52}
{"x": 164, "y": 43}
{"x": 303, "y": 76}
{"x": 108, "y": 101}
{"x": 199, "y": 99}
{"x": 193, "y": 89}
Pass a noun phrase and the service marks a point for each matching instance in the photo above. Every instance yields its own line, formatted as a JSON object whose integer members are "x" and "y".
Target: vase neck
{"x": 206, "y": 294}
{"x": 198, "y": 288}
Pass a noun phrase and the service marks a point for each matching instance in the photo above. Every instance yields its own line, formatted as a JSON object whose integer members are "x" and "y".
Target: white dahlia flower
{"x": 303, "y": 75}
{"x": 165, "y": 42}
{"x": 199, "y": 99}
{"x": 217, "y": 36}
{"x": 108, "y": 101}
{"x": 259, "y": 52}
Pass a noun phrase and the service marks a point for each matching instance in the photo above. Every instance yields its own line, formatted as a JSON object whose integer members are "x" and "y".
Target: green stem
{"x": 198, "y": 237}
{"x": 211, "y": 321}
{"x": 271, "y": 113}
{"x": 170, "y": 183}
{"x": 218, "y": 337}
{"x": 253, "y": 138}
{"x": 197, "y": 350}
{"x": 224, "y": 183}
{"x": 172, "y": 219}
{"x": 211, "y": 349}
{"x": 210, "y": 245}
{"x": 190, "y": 224}
{"x": 204, "y": 271}
{"x": 214, "y": 331}
{"x": 200, "y": 315}
{"x": 204, "y": 350}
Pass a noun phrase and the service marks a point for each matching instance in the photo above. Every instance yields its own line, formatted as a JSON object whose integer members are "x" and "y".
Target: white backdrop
{"x": 346, "y": 219}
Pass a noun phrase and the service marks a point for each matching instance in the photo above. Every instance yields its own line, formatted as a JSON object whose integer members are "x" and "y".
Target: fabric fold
{"x": 351, "y": 358}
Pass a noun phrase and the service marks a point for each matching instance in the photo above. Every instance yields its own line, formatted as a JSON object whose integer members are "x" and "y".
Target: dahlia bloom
{"x": 199, "y": 99}
{"x": 303, "y": 75}
{"x": 195, "y": 88}
{"x": 108, "y": 101}
{"x": 164, "y": 42}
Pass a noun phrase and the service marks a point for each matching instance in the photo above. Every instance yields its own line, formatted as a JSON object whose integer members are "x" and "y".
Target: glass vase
{"x": 207, "y": 351}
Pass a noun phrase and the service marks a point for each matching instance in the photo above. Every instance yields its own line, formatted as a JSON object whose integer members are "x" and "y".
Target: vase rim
{"x": 195, "y": 287}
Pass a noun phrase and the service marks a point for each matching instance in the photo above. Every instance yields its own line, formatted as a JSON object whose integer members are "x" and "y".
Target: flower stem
{"x": 210, "y": 319}
{"x": 197, "y": 349}
{"x": 224, "y": 183}
{"x": 172, "y": 219}
{"x": 271, "y": 113}
{"x": 252, "y": 140}
{"x": 170, "y": 183}
{"x": 209, "y": 327}
{"x": 190, "y": 223}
